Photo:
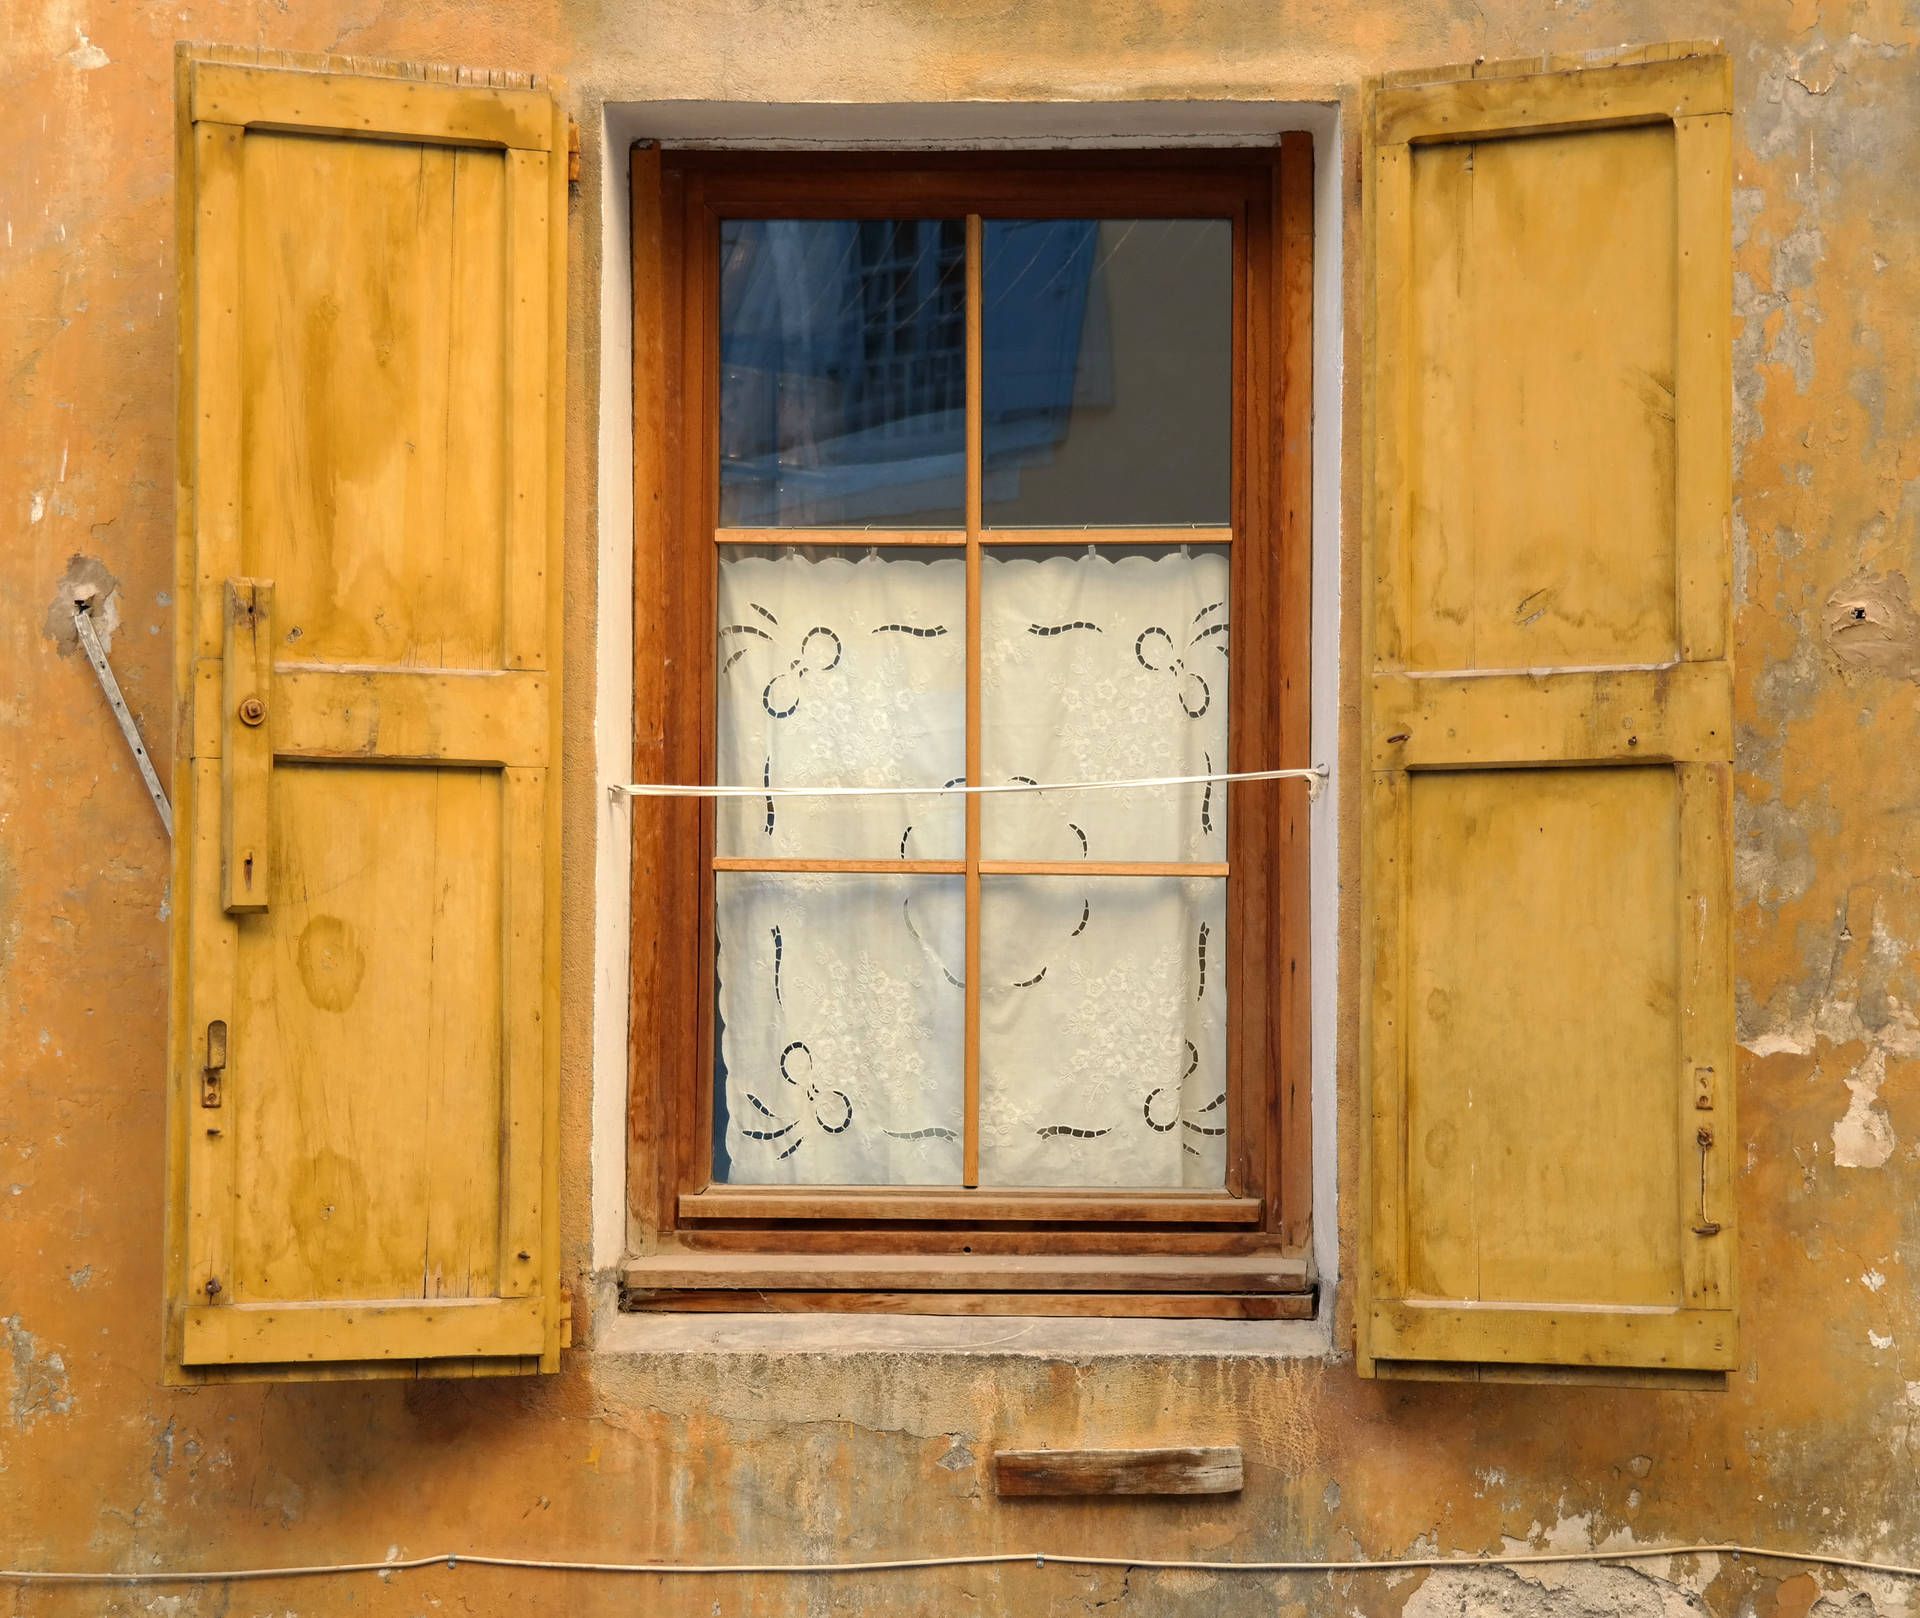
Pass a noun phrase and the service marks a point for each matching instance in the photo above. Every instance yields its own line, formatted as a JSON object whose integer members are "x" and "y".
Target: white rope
{"x": 1315, "y": 777}
{"x": 1625, "y": 1553}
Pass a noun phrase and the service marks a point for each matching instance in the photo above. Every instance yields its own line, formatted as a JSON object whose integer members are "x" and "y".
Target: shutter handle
{"x": 1704, "y": 1226}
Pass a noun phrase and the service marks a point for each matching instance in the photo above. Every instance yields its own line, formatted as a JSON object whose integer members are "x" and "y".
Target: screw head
{"x": 252, "y": 711}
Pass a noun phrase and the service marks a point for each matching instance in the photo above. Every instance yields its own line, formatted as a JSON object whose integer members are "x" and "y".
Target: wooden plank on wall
{"x": 1117, "y": 1471}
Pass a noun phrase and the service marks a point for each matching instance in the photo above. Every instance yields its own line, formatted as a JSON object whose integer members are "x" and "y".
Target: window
{"x": 984, "y": 470}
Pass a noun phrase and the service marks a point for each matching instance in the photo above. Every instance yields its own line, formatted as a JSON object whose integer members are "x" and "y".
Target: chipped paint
{"x": 1863, "y": 1139}
{"x": 40, "y": 1384}
{"x": 1871, "y": 627}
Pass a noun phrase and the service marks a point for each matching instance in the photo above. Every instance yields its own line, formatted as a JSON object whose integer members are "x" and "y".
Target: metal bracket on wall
{"x": 97, "y": 656}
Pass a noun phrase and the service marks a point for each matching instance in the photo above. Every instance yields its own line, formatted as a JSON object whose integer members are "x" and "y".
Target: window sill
{"x": 634, "y": 1335}
{"x": 1261, "y": 1287}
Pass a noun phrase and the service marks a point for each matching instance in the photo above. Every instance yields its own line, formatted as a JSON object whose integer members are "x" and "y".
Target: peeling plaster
{"x": 40, "y": 1384}
{"x": 1856, "y": 1006}
{"x": 1863, "y": 1139}
{"x": 1872, "y": 628}
{"x": 1572, "y": 1591}
{"x": 86, "y": 579}
{"x": 86, "y": 55}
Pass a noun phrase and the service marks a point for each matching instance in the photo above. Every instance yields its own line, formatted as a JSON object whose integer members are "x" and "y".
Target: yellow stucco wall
{"x": 804, "y": 1456}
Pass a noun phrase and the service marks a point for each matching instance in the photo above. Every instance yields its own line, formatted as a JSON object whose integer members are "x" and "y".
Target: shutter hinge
{"x": 573, "y": 152}
{"x": 566, "y": 1317}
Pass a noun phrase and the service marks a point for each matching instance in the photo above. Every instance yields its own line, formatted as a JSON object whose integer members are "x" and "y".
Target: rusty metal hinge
{"x": 573, "y": 152}
{"x": 566, "y": 1317}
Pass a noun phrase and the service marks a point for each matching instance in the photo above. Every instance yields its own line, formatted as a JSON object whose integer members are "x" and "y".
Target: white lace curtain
{"x": 1103, "y": 999}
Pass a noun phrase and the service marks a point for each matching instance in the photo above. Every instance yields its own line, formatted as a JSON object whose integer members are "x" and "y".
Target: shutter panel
{"x": 365, "y": 939}
{"x": 1546, "y": 1161}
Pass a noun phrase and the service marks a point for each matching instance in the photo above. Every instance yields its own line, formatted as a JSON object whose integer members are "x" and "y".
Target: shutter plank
{"x": 382, "y": 107}
{"x": 215, "y": 472}
{"x": 1506, "y": 99}
{"x": 1547, "y": 969}
{"x": 1552, "y": 717}
{"x": 1703, "y": 383}
{"x": 322, "y": 1333}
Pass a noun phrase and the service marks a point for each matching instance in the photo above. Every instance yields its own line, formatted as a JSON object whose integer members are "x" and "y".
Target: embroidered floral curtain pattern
{"x": 1103, "y": 1044}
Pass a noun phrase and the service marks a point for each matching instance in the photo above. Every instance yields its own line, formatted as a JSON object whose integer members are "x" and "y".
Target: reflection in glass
{"x": 1108, "y": 371}
{"x": 1105, "y": 665}
{"x": 839, "y": 1051}
{"x": 1103, "y": 1040}
{"x": 838, "y": 667}
{"x": 842, "y": 372}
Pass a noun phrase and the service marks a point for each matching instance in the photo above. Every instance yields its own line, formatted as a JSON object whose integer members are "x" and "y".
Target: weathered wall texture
{"x": 885, "y": 1454}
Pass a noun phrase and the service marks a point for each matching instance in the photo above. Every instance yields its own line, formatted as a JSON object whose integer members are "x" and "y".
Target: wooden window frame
{"x": 1241, "y": 1251}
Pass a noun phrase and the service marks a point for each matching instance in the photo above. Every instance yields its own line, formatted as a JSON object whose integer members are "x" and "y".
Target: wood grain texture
{"x": 1018, "y": 1472}
{"x": 1553, "y": 717}
{"x": 1082, "y": 1305}
{"x": 1548, "y": 721}
{"x": 361, "y": 104}
{"x": 377, "y": 1183}
{"x": 1541, "y": 431}
{"x": 1542, "y": 962}
{"x": 871, "y": 1271}
{"x": 971, "y": 975}
{"x": 1513, "y": 98}
{"x": 292, "y": 1335}
{"x": 893, "y": 1203}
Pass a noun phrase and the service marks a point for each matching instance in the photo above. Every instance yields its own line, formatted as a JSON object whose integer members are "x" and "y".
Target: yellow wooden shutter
{"x": 1548, "y": 1129}
{"x": 365, "y": 943}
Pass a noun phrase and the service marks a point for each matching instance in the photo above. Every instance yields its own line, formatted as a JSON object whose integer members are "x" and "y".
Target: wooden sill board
{"x": 1104, "y": 1305}
{"x": 977, "y": 1272}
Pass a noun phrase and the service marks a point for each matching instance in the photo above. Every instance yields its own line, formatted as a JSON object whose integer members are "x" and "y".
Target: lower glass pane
{"x": 1103, "y": 1032}
{"x": 839, "y": 1039}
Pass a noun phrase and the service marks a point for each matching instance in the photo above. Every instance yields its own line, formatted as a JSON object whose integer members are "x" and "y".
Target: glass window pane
{"x": 841, "y": 668}
{"x": 1103, "y": 1040}
{"x": 839, "y": 1059}
{"x": 1105, "y": 666}
{"x": 842, "y": 372}
{"x": 1108, "y": 371}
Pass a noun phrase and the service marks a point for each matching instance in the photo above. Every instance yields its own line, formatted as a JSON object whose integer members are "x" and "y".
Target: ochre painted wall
{"x": 878, "y": 1454}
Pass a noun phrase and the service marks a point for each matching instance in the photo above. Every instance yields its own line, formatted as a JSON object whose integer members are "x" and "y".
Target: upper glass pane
{"x": 843, "y": 373}
{"x": 1108, "y": 372}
